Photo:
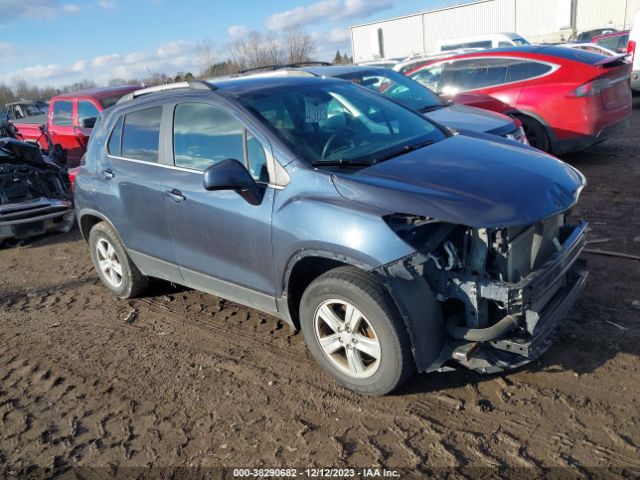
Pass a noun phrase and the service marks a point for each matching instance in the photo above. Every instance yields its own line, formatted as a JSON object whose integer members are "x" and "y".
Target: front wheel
{"x": 355, "y": 333}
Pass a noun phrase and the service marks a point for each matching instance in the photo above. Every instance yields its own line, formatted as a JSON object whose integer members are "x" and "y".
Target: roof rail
{"x": 193, "y": 85}
{"x": 283, "y": 66}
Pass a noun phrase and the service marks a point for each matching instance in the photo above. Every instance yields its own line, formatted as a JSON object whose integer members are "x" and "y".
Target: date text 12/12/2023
{"x": 370, "y": 472}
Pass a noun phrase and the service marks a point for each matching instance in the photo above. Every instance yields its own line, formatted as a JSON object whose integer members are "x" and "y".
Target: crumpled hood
{"x": 467, "y": 181}
{"x": 462, "y": 117}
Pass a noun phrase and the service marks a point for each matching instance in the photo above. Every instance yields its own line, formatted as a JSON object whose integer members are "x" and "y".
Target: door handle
{"x": 175, "y": 195}
{"x": 108, "y": 173}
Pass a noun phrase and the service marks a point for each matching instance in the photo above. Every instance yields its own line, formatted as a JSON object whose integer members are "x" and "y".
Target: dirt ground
{"x": 192, "y": 380}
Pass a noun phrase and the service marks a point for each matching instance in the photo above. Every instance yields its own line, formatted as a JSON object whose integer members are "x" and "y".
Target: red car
{"x": 567, "y": 99}
{"x": 616, "y": 41}
{"x": 70, "y": 119}
{"x": 480, "y": 100}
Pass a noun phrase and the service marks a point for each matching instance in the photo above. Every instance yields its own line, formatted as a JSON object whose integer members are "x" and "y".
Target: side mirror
{"x": 88, "y": 122}
{"x": 230, "y": 174}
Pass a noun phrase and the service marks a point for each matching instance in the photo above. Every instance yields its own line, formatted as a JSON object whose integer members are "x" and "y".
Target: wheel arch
{"x": 410, "y": 292}
{"x": 302, "y": 269}
{"x": 553, "y": 141}
{"x": 88, "y": 218}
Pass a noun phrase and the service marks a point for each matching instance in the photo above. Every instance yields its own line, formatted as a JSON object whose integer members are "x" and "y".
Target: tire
{"x": 328, "y": 300}
{"x": 536, "y": 133}
{"x": 125, "y": 281}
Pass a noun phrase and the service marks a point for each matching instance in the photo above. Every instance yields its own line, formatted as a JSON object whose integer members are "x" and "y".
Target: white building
{"x": 535, "y": 20}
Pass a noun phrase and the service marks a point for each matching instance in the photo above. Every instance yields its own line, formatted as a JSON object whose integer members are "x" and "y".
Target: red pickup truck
{"x": 70, "y": 119}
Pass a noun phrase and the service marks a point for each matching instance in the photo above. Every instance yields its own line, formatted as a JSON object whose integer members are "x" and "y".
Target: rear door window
{"x": 63, "y": 113}
{"x": 141, "y": 134}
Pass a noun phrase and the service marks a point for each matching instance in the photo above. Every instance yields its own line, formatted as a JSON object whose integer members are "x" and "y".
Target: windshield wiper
{"x": 404, "y": 150}
{"x": 341, "y": 162}
{"x": 431, "y": 108}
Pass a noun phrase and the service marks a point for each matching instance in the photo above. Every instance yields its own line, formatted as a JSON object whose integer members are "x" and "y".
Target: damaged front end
{"x": 35, "y": 194}
{"x": 501, "y": 291}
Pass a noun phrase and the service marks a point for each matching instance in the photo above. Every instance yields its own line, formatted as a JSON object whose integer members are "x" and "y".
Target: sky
{"x": 59, "y": 42}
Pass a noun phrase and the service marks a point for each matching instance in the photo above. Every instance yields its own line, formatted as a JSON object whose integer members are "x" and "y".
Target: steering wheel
{"x": 340, "y": 133}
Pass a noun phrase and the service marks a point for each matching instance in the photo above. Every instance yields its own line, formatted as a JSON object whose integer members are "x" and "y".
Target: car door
{"x": 87, "y": 113}
{"x": 130, "y": 190}
{"x": 63, "y": 131}
{"x": 222, "y": 241}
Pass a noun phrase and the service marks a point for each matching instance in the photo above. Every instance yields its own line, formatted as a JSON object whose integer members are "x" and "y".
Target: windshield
{"x": 396, "y": 86}
{"x": 336, "y": 122}
{"x": 35, "y": 109}
{"x": 520, "y": 41}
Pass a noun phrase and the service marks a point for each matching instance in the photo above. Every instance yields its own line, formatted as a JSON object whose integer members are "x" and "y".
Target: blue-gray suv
{"x": 392, "y": 242}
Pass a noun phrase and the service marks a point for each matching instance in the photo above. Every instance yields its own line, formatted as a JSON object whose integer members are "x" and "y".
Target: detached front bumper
{"x": 539, "y": 303}
{"x": 35, "y": 217}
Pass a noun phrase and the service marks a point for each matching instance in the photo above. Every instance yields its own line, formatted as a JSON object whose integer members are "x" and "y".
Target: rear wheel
{"x": 114, "y": 267}
{"x": 536, "y": 133}
{"x": 355, "y": 333}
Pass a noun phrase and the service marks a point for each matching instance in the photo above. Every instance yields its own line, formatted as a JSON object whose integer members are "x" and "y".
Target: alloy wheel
{"x": 109, "y": 262}
{"x": 347, "y": 338}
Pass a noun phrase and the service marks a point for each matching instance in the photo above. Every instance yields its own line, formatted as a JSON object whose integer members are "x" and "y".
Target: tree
{"x": 297, "y": 44}
{"x": 206, "y": 53}
{"x": 337, "y": 60}
{"x": 256, "y": 49}
{"x": 220, "y": 69}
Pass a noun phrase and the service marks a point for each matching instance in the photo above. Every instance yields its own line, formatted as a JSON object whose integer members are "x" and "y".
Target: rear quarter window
{"x": 520, "y": 70}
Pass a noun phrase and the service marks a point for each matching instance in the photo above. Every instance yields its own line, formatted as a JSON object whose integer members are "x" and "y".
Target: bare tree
{"x": 297, "y": 44}
{"x": 6, "y": 95}
{"x": 257, "y": 49}
{"x": 206, "y": 52}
